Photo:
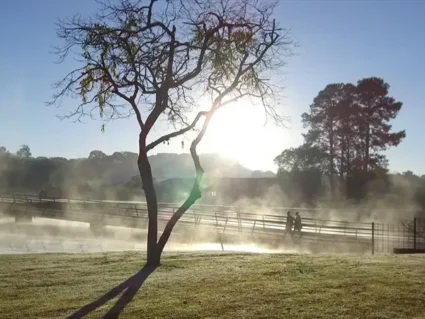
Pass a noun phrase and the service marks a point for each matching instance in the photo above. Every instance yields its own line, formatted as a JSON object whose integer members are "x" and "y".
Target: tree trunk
{"x": 155, "y": 247}
{"x": 348, "y": 163}
{"x": 342, "y": 163}
{"x": 367, "y": 146}
{"x": 145, "y": 171}
{"x": 195, "y": 194}
{"x": 154, "y": 257}
{"x": 348, "y": 157}
{"x": 331, "y": 159}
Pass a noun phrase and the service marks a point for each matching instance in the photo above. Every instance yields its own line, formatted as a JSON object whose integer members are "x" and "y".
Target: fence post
{"x": 414, "y": 234}
{"x": 373, "y": 238}
{"x": 221, "y": 242}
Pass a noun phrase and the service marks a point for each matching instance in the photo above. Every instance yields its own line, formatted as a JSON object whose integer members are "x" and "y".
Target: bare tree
{"x": 153, "y": 59}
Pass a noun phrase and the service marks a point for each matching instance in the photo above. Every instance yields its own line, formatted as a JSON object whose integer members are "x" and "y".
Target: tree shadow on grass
{"x": 130, "y": 287}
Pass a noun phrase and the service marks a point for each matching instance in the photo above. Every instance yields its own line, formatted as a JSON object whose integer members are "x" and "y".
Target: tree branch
{"x": 195, "y": 193}
{"x": 177, "y": 133}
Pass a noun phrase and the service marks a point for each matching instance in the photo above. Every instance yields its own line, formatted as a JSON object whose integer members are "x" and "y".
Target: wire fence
{"x": 403, "y": 236}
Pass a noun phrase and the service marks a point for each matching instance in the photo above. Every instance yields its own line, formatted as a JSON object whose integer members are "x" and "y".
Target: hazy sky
{"x": 340, "y": 41}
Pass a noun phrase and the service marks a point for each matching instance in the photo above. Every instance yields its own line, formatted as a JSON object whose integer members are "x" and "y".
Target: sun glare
{"x": 238, "y": 131}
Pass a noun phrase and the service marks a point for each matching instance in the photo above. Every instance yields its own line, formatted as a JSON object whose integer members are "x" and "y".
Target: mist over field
{"x": 256, "y": 193}
{"x": 45, "y": 235}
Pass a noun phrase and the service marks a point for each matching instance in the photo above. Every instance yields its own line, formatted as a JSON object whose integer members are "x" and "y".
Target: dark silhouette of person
{"x": 289, "y": 223}
{"x": 297, "y": 224}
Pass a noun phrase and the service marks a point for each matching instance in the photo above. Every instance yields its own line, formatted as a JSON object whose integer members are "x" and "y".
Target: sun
{"x": 240, "y": 131}
{"x": 235, "y": 131}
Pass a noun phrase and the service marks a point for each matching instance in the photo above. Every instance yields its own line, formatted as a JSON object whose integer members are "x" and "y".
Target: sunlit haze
{"x": 339, "y": 42}
{"x": 212, "y": 159}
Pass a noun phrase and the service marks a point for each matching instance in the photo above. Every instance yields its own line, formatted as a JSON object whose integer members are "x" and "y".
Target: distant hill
{"x": 172, "y": 165}
{"x": 99, "y": 173}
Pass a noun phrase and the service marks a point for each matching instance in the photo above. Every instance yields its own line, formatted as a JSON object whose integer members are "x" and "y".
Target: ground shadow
{"x": 130, "y": 287}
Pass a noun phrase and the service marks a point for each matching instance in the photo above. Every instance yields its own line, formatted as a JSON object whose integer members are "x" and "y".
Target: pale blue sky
{"x": 340, "y": 41}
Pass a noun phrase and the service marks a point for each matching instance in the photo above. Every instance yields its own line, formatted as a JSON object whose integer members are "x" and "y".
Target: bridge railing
{"x": 163, "y": 205}
{"x": 382, "y": 237}
{"x": 222, "y": 219}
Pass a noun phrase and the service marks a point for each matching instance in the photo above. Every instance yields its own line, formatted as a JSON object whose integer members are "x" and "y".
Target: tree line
{"x": 348, "y": 129}
{"x": 93, "y": 176}
{"x": 102, "y": 176}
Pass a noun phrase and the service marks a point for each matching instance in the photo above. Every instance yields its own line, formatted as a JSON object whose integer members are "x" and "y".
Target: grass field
{"x": 217, "y": 285}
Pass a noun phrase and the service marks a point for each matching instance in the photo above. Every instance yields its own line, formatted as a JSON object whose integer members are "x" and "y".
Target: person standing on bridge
{"x": 289, "y": 223}
{"x": 297, "y": 225}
